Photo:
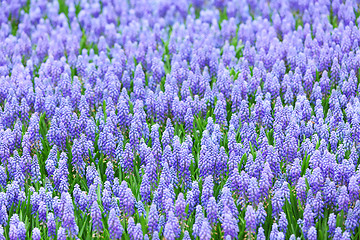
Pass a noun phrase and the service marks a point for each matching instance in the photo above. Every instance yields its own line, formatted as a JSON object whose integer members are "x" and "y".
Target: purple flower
{"x": 294, "y": 172}
{"x": 61, "y": 234}
{"x": 266, "y": 179}
{"x": 109, "y": 172}
{"x": 35, "y": 169}
{"x": 162, "y": 222}
{"x": 220, "y": 166}
{"x": 153, "y": 218}
{"x": 230, "y": 226}
{"x": 155, "y": 236}
{"x": 157, "y": 151}
{"x": 212, "y": 210}
{"x": 96, "y": 217}
{"x": 260, "y": 215}
{"x": 91, "y": 197}
{"x": 274, "y": 231}
{"x": 353, "y": 188}
{"x": 199, "y": 217}
{"x": 261, "y": 234}
{"x": 301, "y": 189}
{"x": 131, "y": 227}
{"x": 129, "y": 202}
{"x": 346, "y": 236}
{"x": 13, "y": 235}
{"x": 351, "y": 221}
{"x": 250, "y": 218}
{"x": 338, "y": 234}
{"x": 308, "y": 218}
{"x": 329, "y": 192}
{"x": 273, "y": 160}
{"x": 145, "y": 190}
{"x": 189, "y": 118}
{"x": 180, "y": 206}
{"x": 283, "y": 222}
{"x": 36, "y": 234}
{"x": 151, "y": 170}
{"x": 227, "y": 201}
{"x": 239, "y": 183}
{"x": 205, "y": 161}
{"x": 332, "y": 224}
{"x": 51, "y": 225}
{"x": 312, "y": 234}
{"x": 42, "y": 211}
{"x": 141, "y": 209}
{"x": 205, "y": 231}
{"x": 220, "y": 111}
{"x": 68, "y": 217}
{"x": 2, "y": 237}
{"x": 114, "y": 225}
{"x": 253, "y": 191}
{"x": 106, "y": 199}
{"x": 21, "y": 231}
{"x": 318, "y": 205}
{"x": 184, "y": 167}
{"x": 207, "y": 190}
{"x": 343, "y": 199}
{"x": 169, "y": 232}
{"x": 3, "y": 215}
{"x": 128, "y": 159}
{"x": 174, "y": 224}
{"x": 277, "y": 202}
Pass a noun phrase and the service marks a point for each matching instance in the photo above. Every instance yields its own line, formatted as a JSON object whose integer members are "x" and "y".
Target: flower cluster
{"x": 186, "y": 119}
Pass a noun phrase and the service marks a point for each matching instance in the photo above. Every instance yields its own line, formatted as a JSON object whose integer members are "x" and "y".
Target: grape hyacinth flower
{"x": 205, "y": 231}
{"x": 250, "y": 218}
{"x": 51, "y": 225}
{"x": 96, "y": 217}
{"x": 229, "y": 225}
{"x": 36, "y": 234}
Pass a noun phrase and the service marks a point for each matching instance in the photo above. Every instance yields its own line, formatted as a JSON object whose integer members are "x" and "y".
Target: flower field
{"x": 179, "y": 119}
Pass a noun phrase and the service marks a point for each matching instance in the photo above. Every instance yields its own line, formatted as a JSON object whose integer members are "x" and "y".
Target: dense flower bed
{"x": 179, "y": 119}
